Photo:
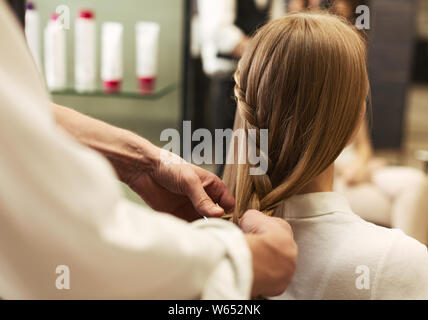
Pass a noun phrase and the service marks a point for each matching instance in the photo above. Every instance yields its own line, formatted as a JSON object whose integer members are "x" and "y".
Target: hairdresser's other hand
{"x": 174, "y": 186}
{"x": 274, "y": 252}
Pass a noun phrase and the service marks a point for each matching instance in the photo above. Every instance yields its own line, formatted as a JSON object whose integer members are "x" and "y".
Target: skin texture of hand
{"x": 182, "y": 189}
{"x": 174, "y": 187}
{"x": 274, "y": 252}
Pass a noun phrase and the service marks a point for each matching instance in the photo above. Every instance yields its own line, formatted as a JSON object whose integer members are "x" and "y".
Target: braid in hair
{"x": 292, "y": 81}
{"x": 260, "y": 185}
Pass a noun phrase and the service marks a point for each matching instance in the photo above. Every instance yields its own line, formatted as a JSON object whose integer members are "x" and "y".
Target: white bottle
{"x": 111, "y": 56}
{"x": 32, "y": 32}
{"x": 85, "y": 54}
{"x": 55, "y": 55}
{"x": 147, "y": 55}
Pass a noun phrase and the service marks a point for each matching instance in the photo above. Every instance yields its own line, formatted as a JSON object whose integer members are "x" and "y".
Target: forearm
{"x": 183, "y": 189}
{"x": 124, "y": 149}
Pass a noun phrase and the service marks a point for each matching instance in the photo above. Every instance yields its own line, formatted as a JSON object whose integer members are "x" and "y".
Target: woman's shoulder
{"x": 384, "y": 244}
{"x": 397, "y": 264}
{"x": 403, "y": 271}
{"x": 341, "y": 256}
{"x": 373, "y": 262}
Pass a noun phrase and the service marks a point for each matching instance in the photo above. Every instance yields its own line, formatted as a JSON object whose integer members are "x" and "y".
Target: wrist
{"x": 134, "y": 155}
{"x": 145, "y": 154}
{"x": 129, "y": 153}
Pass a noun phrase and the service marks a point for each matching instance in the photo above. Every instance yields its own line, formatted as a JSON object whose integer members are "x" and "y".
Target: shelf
{"x": 121, "y": 95}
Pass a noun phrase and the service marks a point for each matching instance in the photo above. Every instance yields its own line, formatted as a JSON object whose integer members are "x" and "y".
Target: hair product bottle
{"x": 85, "y": 52}
{"x": 55, "y": 54}
{"x": 147, "y": 55}
{"x": 111, "y": 56}
{"x": 32, "y": 32}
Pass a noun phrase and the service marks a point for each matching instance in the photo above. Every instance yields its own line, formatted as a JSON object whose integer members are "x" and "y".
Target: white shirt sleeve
{"x": 61, "y": 205}
{"x": 403, "y": 271}
{"x": 217, "y": 23}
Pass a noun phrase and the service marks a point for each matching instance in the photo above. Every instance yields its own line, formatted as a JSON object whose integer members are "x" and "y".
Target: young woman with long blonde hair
{"x": 304, "y": 78}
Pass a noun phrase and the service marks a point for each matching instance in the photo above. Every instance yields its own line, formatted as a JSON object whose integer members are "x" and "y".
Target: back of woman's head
{"x": 304, "y": 79}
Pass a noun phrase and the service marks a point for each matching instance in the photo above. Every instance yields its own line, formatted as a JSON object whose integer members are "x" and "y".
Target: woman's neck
{"x": 321, "y": 183}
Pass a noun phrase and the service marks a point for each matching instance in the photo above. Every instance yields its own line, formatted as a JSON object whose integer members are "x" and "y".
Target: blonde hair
{"x": 303, "y": 78}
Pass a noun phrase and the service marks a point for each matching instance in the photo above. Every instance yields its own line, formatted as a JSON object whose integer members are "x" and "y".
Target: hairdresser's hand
{"x": 166, "y": 182}
{"x": 274, "y": 252}
{"x": 179, "y": 188}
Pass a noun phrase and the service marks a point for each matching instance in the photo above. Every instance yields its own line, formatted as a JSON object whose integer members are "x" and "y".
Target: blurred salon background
{"x": 196, "y": 51}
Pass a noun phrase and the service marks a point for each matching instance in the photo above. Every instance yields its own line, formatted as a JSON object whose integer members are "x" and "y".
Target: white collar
{"x": 312, "y": 205}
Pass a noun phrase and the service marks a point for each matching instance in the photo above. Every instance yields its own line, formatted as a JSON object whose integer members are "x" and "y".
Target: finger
{"x": 216, "y": 189}
{"x": 202, "y": 203}
{"x": 252, "y": 221}
{"x": 160, "y": 199}
{"x": 187, "y": 212}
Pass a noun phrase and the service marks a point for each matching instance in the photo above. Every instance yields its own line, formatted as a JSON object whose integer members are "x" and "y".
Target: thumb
{"x": 202, "y": 203}
{"x": 253, "y": 221}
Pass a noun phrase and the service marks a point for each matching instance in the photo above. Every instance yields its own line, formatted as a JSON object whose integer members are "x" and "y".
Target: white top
{"x": 61, "y": 204}
{"x": 342, "y": 256}
{"x": 219, "y": 34}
